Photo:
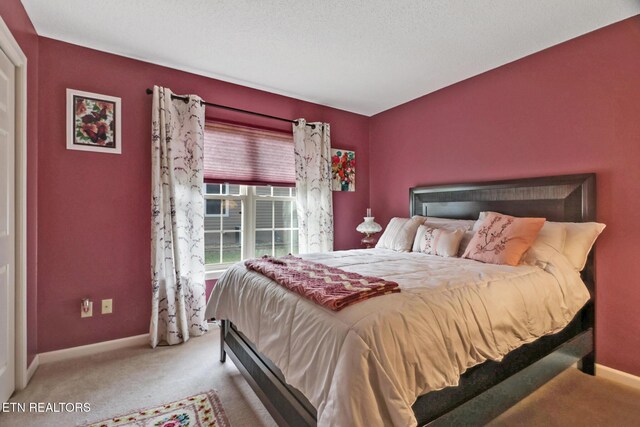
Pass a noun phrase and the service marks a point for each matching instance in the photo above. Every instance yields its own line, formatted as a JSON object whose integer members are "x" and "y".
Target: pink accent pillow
{"x": 503, "y": 239}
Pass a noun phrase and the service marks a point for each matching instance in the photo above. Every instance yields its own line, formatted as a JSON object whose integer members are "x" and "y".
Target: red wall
{"x": 572, "y": 108}
{"x": 569, "y": 109}
{"x": 20, "y": 26}
{"x": 94, "y": 223}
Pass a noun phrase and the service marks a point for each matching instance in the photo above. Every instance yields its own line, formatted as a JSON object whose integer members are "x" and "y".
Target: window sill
{"x": 213, "y": 274}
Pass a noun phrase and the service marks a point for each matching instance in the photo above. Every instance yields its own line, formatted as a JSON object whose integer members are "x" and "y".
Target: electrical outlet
{"x": 107, "y": 306}
{"x": 86, "y": 310}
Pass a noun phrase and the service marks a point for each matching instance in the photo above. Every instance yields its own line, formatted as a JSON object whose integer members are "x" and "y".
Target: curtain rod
{"x": 237, "y": 110}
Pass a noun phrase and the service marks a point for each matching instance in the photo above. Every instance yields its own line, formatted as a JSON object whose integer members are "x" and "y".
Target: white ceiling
{"x": 364, "y": 56}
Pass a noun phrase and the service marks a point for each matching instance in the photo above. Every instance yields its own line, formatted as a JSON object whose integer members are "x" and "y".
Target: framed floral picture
{"x": 343, "y": 170}
{"x": 93, "y": 122}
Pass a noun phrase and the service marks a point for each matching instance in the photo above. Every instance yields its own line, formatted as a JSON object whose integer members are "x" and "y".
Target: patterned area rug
{"x": 201, "y": 410}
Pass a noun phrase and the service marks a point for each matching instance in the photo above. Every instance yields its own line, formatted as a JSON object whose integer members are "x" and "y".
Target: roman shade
{"x": 246, "y": 155}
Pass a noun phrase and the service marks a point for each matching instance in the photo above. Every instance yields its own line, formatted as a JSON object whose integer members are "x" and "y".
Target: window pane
{"x": 234, "y": 189}
{"x": 293, "y": 191}
{"x": 281, "y": 191}
{"x": 213, "y": 188}
{"x": 212, "y": 248}
{"x": 264, "y": 214}
{"x": 294, "y": 215}
{"x": 213, "y": 207}
{"x": 294, "y": 242}
{"x": 282, "y": 243}
{"x": 232, "y": 219}
{"x": 263, "y": 191}
{"x": 263, "y": 243}
{"x": 232, "y": 247}
{"x": 282, "y": 214}
{"x": 211, "y": 223}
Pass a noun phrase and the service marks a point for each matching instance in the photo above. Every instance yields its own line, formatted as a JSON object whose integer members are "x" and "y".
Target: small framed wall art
{"x": 93, "y": 122}
{"x": 343, "y": 170}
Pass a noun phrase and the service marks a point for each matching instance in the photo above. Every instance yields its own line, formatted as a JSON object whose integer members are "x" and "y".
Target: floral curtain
{"x": 312, "y": 146}
{"x": 177, "y": 219}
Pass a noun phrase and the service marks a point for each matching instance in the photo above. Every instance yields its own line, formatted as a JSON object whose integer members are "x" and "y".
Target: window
{"x": 245, "y": 221}
{"x": 254, "y": 212}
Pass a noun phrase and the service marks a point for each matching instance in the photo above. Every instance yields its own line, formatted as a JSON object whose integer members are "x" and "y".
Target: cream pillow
{"x": 551, "y": 239}
{"x": 437, "y": 241}
{"x": 479, "y": 221}
{"x": 399, "y": 234}
{"x": 580, "y": 239}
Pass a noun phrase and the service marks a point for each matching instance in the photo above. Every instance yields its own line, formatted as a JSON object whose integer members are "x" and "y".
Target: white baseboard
{"x": 617, "y": 376}
{"x": 86, "y": 350}
{"x": 33, "y": 367}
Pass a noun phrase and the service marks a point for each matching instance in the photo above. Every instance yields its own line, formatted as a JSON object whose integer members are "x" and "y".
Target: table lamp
{"x": 369, "y": 227}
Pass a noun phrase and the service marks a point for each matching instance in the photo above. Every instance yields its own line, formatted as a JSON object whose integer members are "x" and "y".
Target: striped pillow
{"x": 399, "y": 234}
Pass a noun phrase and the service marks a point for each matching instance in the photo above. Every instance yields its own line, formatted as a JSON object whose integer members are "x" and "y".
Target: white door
{"x": 7, "y": 228}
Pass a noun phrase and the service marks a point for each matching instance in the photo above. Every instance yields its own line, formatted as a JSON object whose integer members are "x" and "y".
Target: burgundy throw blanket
{"x": 328, "y": 286}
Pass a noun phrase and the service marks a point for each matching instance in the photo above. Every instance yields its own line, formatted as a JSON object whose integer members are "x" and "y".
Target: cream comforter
{"x": 367, "y": 364}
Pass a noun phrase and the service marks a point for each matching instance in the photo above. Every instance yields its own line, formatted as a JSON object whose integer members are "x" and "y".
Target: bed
{"x": 457, "y": 363}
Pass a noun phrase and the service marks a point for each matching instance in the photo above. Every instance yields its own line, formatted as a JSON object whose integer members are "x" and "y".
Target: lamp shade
{"x": 369, "y": 226}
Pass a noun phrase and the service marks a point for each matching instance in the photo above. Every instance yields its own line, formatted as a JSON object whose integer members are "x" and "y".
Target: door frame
{"x": 12, "y": 49}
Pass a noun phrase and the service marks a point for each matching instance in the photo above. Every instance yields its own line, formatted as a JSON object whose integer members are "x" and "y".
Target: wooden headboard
{"x": 570, "y": 198}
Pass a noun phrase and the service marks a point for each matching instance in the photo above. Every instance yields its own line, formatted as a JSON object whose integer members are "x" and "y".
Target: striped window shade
{"x": 248, "y": 156}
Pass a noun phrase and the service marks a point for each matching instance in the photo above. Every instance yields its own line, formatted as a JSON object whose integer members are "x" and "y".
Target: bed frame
{"x": 487, "y": 389}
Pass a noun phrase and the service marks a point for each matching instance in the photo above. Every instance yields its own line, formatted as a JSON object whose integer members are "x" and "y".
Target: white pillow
{"x": 399, "y": 234}
{"x": 550, "y": 240}
{"x": 437, "y": 241}
{"x": 580, "y": 239}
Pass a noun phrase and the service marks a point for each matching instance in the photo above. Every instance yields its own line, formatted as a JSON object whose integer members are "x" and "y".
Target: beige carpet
{"x": 119, "y": 382}
{"x": 575, "y": 399}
